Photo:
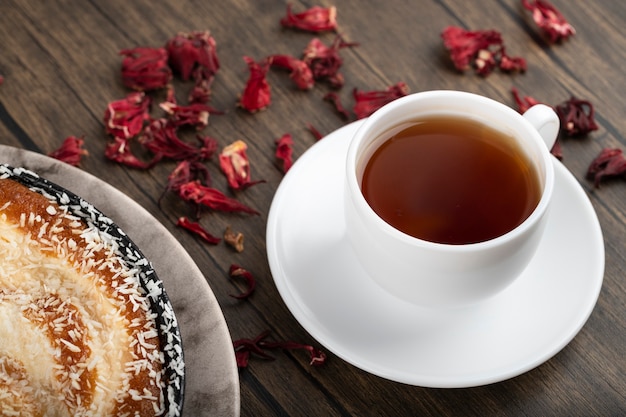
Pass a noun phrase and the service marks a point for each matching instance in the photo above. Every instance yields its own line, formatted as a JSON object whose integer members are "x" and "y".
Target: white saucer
{"x": 330, "y": 294}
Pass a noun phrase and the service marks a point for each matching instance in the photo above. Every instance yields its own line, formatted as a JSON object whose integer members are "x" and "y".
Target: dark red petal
{"x": 212, "y": 198}
{"x": 550, "y": 20}
{"x": 70, "y": 151}
{"x": 367, "y": 102}
{"x": 257, "y": 93}
{"x": 610, "y": 162}
{"x": 145, "y": 69}
{"x": 237, "y": 271}
{"x": 314, "y": 19}
{"x": 577, "y": 117}
{"x": 284, "y": 151}
{"x": 197, "y": 229}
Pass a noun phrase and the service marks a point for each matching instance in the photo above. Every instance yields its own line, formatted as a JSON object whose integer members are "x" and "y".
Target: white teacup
{"x": 437, "y": 274}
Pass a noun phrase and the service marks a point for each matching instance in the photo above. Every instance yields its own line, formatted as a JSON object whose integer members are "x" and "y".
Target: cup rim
{"x": 363, "y": 206}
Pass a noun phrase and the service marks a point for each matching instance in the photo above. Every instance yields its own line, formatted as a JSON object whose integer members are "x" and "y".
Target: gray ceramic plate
{"x": 211, "y": 378}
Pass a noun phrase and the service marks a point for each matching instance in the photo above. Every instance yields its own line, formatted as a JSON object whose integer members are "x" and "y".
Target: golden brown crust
{"x": 73, "y": 333}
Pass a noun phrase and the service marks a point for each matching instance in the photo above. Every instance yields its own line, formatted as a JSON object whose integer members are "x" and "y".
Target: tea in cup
{"x": 447, "y": 194}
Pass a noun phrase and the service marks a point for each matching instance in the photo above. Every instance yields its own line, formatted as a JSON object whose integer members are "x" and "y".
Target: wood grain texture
{"x": 61, "y": 67}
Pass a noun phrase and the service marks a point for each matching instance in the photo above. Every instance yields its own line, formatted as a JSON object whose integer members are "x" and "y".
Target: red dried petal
{"x": 119, "y": 151}
{"x": 610, "y": 162}
{"x": 186, "y": 171}
{"x": 188, "y": 51}
{"x": 212, "y": 198}
{"x": 70, "y": 151}
{"x": 160, "y": 137}
{"x": 314, "y": 19}
{"x": 464, "y": 45}
{"x": 556, "y": 150}
{"x": 316, "y": 133}
{"x": 244, "y": 348}
{"x": 236, "y": 166}
{"x": 367, "y": 102}
{"x": 125, "y": 118}
{"x": 325, "y": 61}
{"x": 284, "y": 151}
{"x": 201, "y": 91}
{"x": 197, "y": 229}
{"x": 196, "y": 114}
{"x": 300, "y": 72}
{"x": 237, "y": 271}
{"x": 256, "y": 94}
{"x": 550, "y": 20}
{"x": 145, "y": 69}
{"x": 318, "y": 358}
{"x": 576, "y": 117}
{"x": 336, "y": 100}
{"x": 523, "y": 103}
{"x": 481, "y": 49}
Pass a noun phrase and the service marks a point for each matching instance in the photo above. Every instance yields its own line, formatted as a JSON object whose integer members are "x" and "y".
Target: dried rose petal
{"x": 187, "y": 51}
{"x": 119, "y": 151}
{"x": 336, "y": 101}
{"x": 556, "y": 150}
{"x": 284, "y": 151}
{"x": 550, "y": 20}
{"x": 576, "y": 117}
{"x": 160, "y": 137}
{"x": 316, "y": 133}
{"x": 201, "y": 91}
{"x": 610, "y": 162}
{"x": 325, "y": 61}
{"x": 186, "y": 171}
{"x": 1, "y": 80}
{"x": 196, "y": 114}
{"x": 197, "y": 229}
{"x": 70, "y": 151}
{"x": 145, "y": 69}
{"x": 318, "y": 358}
{"x": 244, "y": 348}
{"x": 523, "y": 103}
{"x": 235, "y": 165}
{"x": 481, "y": 49}
{"x": 234, "y": 239}
{"x": 237, "y": 271}
{"x": 125, "y": 118}
{"x": 367, "y": 102}
{"x": 257, "y": 93}
{"x": 314, "y": 19}
{"x": 300, "y": 72}
{"x": 212, "y": 198}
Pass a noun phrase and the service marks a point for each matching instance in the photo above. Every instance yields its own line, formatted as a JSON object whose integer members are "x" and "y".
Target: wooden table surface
{"x": 61, "y": 68}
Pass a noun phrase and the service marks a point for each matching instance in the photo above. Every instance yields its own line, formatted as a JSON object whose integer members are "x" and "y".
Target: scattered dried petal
{"x": 186, "y": 171}
{"x": 523, "y": 103}
{"x": 284, "y": 151}
{"x": 188, "y": 51}
{"x": 576, "y": 117}
{"x": 201, "y": 91}
{"x": 119, "y": 151}
{"x": 234, "y": 239}
{"x": 145, "y": 69}
{"x": 71, "y": 151}
{"x": 244, "y": 348}
{"x": 196, "y": 114}
{"x": 481, "y": 49}
{"x": 550, "y": 20}
{"x": 367, "y": 102}
{"x": 325, "y": 61}
{"x": 336, "y": 101}
{"x": 125, "y": 118}
{"x": 197, "y": 229}
{"x": 314, "y": 19}
{"x": 316, "y": 133}
{"x": 257, "y": 93}
{"x": 161, "y": 138}
{"x": 235, "y": 165}
{"x": 237, "y": 271}
{"x": 212, "y": 198}
{"x": 610, "y": 162}
{"x": 300, "y": 72}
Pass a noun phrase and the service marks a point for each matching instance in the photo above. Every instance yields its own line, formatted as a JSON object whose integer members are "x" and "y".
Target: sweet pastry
{"x": 79, "y": 333}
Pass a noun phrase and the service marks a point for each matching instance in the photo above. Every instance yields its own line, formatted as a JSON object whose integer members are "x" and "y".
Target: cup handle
{"x": 546, "y": 121}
